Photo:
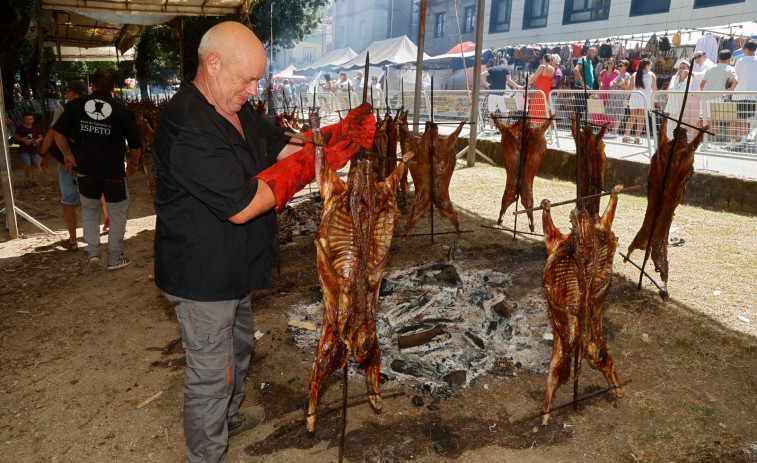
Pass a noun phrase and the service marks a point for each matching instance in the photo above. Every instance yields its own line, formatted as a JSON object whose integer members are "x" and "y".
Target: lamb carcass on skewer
{"x": 385, "y": 145}
{"x": 576, "y": 277}
{"x": 593, "y": 163}
{"x": 402, "y": 121}
{"x": 442, "y": 158}
{"x": 260, "y": 107}
{"x": 314, "y": 119}
{"x": 681, "y": 159}
{"x": 352, "y": 245}
{"x": 536, "y": 146}
{"x": 288, "y": 120}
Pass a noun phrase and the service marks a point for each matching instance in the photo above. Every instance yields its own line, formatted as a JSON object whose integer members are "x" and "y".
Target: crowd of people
{"x": 626, "y": 94}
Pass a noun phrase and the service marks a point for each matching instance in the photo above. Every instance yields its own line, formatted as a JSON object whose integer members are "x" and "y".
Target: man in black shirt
{"x": 99, "y": 125}
{"x": 498, "y": 77}
{"x": 220, "y": 169}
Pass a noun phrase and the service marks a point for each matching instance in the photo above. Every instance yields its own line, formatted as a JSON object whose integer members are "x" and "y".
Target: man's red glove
{"x": 343, "y": 140}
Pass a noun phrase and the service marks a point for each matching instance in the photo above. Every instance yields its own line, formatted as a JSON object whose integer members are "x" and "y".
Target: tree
{"x": 15, "y": 17}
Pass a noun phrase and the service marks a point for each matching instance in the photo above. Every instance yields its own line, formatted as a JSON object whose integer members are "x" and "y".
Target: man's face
{"x": 592, "y": 53}
{"x": 236, "y": 79}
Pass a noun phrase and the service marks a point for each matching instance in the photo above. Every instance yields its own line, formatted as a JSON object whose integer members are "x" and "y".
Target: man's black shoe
{"x": 241, "y": 422}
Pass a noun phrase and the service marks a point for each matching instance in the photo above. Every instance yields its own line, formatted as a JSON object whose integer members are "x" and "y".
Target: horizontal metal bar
{"x": 511, "y": 230}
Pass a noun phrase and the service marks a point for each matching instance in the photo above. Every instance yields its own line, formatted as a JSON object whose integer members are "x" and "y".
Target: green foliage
{"x": 157, "y": 57}
{"x": 292, "y": 20}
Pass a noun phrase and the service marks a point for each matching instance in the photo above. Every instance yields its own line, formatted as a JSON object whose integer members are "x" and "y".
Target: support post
{"x": 419, "y": 66}
{"x": 476, "y": 84}
{"x": 5, "y": 169}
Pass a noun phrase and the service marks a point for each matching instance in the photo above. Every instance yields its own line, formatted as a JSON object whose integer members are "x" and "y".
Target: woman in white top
{"x": 675, "y": 99}
{"x": 644, "y": 81}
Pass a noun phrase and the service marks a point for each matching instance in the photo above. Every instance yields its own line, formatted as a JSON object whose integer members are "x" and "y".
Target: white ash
{"x": 473, "y": 336}
{"x": 300, "y": 217}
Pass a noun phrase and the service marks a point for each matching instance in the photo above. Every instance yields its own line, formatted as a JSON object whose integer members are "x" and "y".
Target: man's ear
{"x": 213, "y": 63}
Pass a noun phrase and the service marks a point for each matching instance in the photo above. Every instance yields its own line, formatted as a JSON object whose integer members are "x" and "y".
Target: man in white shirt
{"x": 357, "y": 82}
{"x": 746, "y": 72}
{"x": 715, "y": 80}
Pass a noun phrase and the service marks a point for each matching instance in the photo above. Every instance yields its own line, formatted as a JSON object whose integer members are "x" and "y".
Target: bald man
{"x": 221, "y": 169}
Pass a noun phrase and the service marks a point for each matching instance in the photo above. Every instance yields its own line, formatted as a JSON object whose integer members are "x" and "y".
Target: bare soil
{"x": 82, "y": 351}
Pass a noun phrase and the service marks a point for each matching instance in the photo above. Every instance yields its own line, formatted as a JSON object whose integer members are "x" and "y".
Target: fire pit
{"x": 439, "y": 324}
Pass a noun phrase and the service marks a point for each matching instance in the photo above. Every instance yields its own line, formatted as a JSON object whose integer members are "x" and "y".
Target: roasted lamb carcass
{"x": 523, "y": 184}
{"x": 352, "y": 245}
{"x": 401, "y": 118}
{"x": 442, "y": 159}
{"x": 288, "y": 120}
{"x": 260, "y": 107}
{"x": 593, "y": 163}
{"x": 681, "y": 159}
{"x": 576, "y": 277}
{"x": 314, "y": 119}
{"x": 385, "y": 145}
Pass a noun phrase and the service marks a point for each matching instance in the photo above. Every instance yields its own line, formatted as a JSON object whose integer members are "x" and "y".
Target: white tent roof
{"x": 332, "y": 58}
{"x": 390, "y": 51}
{"x": 92, "y": 54}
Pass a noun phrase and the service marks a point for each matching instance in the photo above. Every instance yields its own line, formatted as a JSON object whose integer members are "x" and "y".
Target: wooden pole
{"x": 521, "y": 156}
{"x": 419, "y": 64}
{"x": 476, "y": 83}
{"x": 42, "y": 76}
{"x": 5, "y": 167}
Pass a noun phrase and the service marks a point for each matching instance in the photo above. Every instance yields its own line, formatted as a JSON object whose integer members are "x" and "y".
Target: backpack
{"x": 635, "y": 53}
{"x": 677, "y": 39}
{"x": 652, "y": 44}
{"x": 664, "y": 44}
{"x": 585, "y": 47}
{"x": 605, "y": 50}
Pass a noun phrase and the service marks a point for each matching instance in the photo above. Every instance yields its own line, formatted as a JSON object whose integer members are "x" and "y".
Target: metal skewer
{"x": 521, "y": 158}
{"x": 662, "y": 290}
{"x": 569, "y": 201}
{"x": 579, "y": 399}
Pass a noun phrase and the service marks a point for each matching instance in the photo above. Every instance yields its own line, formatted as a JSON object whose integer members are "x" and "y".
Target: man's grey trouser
{"x": 218, "y": 340}
{"x": 90, "y": 220}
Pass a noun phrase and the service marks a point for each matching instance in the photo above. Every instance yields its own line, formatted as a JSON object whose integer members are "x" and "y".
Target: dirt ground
{"x": 82, "y": 352}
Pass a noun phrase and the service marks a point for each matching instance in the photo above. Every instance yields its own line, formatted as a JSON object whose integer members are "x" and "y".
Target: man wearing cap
{"x": 66, "y": 181}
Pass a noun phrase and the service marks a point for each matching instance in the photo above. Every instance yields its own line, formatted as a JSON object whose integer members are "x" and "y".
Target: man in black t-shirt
{"x": 100, "y": 126}
{"x": 221, "y": 168}
{"x": 498, "y": 77}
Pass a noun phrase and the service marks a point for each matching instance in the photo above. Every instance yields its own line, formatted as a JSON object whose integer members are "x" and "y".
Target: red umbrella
{"x": 466, "y": 46}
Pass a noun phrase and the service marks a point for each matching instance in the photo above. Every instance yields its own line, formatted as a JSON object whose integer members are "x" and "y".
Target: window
{"x": 500, "y": 17}
{"x": 469, "y": 23}
{"x": 439, "y": 25}
{"x": 308, "y": 53}
{"x": 535, "y": 14}
{"x": 579, "y": 11}
{"x": 708, "y": 3}
{"x": 642, "y": 7}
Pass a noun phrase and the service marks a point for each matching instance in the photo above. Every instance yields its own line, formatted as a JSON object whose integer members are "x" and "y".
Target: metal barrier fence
{"x": 632, "y": 130}
{"x": 730, "y": 115}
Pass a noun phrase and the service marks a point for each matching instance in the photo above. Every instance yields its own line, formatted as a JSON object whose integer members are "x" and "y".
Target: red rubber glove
{"x": 343, "y": 140}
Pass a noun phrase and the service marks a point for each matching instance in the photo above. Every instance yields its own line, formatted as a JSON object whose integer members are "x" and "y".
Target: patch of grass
{"x": 682, "y": 342}
{"x": 702, "y": 415}
{"x": 648, "y": 435}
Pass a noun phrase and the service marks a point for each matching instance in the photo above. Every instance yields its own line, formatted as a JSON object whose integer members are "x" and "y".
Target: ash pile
{"x": 439, "y": 324}
{"x": 300, "y": 217}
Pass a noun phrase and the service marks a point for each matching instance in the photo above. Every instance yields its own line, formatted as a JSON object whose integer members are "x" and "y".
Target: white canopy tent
{"x": 332, "y": 58}
{"x": 398, "y": 50}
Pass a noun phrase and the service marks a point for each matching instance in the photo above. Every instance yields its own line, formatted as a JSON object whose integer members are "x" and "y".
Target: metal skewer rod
{"x": 510, "y": 229}
{"x": 680, "y": 122}
{"x": 435, "y": 233}
{"x": 431, "y": 127}
{"x": 299, "y": 137}
{"x": 344, "y": 413}
{"x": 664, "y": 183}
{"x": 660, "y": 288}
{"x": 568, "y": 201}
{"x": 365, "y": 78}
{"x": 580, "y": 399}
{"x": 521, "y": 157}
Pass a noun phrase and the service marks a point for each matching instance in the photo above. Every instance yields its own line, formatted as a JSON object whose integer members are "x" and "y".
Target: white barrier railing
{"x": 730, "y": 115}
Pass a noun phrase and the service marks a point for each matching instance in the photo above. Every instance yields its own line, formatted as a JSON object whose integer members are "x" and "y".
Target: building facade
{"x": 359, "y": 23}
{"x": 512, "y": 22}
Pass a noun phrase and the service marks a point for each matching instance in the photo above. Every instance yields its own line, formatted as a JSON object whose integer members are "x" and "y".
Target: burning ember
{"x": 437, "y": 324}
